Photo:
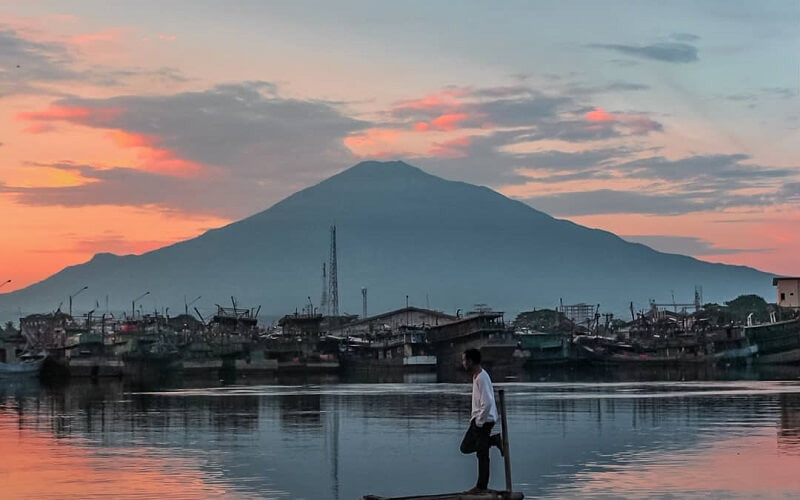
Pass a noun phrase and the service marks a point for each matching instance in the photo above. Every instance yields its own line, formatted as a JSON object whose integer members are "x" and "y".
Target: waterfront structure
{"x": 486, "y": 331}
{"x": 45, "y": 331}
{"x": 788, "y": 291}
{"x": 391, "y": 321}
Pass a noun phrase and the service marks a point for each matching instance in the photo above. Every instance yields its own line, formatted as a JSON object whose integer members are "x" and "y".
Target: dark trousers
{"x": 478, "y": 440}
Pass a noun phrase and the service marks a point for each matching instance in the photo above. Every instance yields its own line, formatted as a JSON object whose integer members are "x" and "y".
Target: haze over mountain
{"x": 400, "y": 232}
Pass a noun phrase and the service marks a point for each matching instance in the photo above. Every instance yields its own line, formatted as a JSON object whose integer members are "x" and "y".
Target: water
{"x": 344, "y": 440}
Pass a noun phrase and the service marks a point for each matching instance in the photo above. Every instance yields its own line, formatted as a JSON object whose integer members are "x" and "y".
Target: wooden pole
{"x": 506, "y": 453}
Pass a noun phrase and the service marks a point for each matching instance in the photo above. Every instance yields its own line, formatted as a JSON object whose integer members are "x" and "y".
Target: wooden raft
{"x": 490, "y": 494}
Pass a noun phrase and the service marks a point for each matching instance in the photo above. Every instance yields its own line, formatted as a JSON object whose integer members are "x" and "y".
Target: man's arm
{"x": 484, "y": 393}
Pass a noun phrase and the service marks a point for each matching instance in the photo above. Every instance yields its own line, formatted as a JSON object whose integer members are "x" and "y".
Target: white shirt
{"x": 483, "y": 408}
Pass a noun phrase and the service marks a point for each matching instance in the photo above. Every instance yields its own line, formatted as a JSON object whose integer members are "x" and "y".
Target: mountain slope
{"x": 400, "y": 232}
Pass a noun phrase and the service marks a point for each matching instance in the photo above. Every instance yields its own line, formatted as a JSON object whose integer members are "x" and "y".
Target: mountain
{"x": 400, "y": 232}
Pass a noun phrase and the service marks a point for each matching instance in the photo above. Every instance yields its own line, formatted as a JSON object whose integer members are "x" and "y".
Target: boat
{"x": 23, "y": 367}
{"x": 777, "y": 342}
{"x": 406, "y": 348}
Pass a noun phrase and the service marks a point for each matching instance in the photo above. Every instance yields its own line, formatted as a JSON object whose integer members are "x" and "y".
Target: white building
{"x": 788, "y": 290}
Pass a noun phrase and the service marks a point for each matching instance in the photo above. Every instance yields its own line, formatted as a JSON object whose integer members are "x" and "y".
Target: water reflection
{"x": 317, "y": 440}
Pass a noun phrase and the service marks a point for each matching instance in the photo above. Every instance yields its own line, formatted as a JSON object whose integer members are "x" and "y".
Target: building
{"x": 45, "y": 331}
{"x": 788, "y": 291}
{"x": 485, "y": 331}
{"x": 391, "y": 321}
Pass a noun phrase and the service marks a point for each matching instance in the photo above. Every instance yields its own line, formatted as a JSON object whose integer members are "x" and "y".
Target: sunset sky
{"x": 125, "y": 126}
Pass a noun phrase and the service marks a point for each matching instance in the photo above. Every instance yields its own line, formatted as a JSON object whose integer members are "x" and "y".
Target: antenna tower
{"x": 333, "y": 283}
{"x": 364, "y": 302}
{"x": 323, "y": 303}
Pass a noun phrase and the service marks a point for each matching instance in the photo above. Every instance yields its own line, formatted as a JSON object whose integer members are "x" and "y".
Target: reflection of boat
{"x": 24, "y": 367}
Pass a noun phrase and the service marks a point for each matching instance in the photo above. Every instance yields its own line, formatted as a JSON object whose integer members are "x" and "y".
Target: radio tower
{"x": 364, "y": 303}
{"x": 323, "y": 303}
{"x": 333, "y": 287}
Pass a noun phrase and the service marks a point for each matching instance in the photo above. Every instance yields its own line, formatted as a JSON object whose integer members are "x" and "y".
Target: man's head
{"x": 471, "y": 359}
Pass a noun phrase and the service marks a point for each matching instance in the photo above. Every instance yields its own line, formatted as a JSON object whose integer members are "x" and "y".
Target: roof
{"x": 370, "y": 319}
{"x": 471, "y": 317}
{"x": 776, "y": 279}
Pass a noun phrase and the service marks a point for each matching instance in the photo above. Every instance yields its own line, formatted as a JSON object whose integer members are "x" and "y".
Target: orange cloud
{"x": 444, "y": 122}
{"x": 107, "y": 35}
{"x": 153, "y": 157}
{"x": 75, "y": 114}
{"x": 445, "y": 99}
{"x": 421, "y": 126}
{"x": 598, "y": 115}
{"x": 448, "y": 121}
{"x": 374, "y": 142}
{"x": 637, "y": 124}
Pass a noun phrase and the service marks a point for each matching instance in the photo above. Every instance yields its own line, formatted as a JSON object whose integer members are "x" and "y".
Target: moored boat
{"x": 23, "y": 367}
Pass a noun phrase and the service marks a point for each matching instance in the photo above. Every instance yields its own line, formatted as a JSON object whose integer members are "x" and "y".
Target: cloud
{"x": 684, "y": 37}
{"x": 25, "y": 61}
{"x": 452, "y": 148}
{"x": 108, "y": 242}
{"x": 671, "y": 52}
{"x": 688, "y": 245}
{"x": 499, "y": 106}
{"x": 572, "y": 161}
{"x": 692, "y": 184}
{"x": 242, "y": 128}
{"x": 707, "y": 171}
{"x": 29, "y": 66}
{"x": 124, "y": 186}
{"x": 231, "y": 150}
{"x": 609, "y": 201}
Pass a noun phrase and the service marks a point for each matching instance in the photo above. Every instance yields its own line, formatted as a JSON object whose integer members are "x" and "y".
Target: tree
{"x": 743, "y": 305}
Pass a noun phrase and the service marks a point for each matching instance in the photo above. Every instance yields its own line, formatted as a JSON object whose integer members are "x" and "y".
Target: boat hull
{"x": 29, "y": 368}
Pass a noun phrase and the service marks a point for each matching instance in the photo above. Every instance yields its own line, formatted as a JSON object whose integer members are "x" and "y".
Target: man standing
{"x": 478, "y": 438}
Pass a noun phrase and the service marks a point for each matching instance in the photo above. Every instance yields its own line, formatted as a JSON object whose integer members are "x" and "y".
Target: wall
{"x": 791, "y": 289}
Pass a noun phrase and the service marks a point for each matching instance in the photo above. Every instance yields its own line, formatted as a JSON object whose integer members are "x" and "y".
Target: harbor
{"x": 232, "y": 344}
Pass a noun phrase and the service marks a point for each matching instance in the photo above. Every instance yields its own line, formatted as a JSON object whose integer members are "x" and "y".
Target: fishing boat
{"x": 777, "y": 342}
{"x": 23, "y": 367}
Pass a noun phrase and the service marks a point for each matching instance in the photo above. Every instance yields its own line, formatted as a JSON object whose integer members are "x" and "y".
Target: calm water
{"x": 340, "y": 441}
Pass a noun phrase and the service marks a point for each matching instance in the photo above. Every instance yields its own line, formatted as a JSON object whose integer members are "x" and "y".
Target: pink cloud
{"x": 153, "y": 157}
{"x": 421, "y": 126}
{"x": 39, "y": 128}
{"x": 73, "y": 114}
{"x": 598, "y": 115}
{"x": 444, "y": 122}
{"x": 103, "y": 36}
{"x": 637, "y": 124}
{"x": 452, "y": 148}
{"x": 448, "y": 121}
{"x": 442, "y": 100}
{"x": 374, "y": 143}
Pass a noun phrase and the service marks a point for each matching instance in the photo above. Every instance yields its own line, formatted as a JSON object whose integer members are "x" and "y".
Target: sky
{"x": 127, "y": 126}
